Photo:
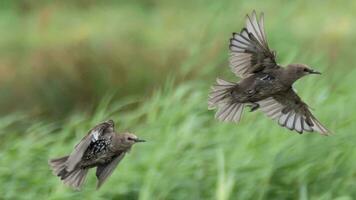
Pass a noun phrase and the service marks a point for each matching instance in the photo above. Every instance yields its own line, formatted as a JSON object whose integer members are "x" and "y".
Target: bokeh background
{"x": 148, "y": 65}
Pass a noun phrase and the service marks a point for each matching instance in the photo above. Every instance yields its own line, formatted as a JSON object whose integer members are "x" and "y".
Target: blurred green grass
{"x": 55, "y": 53}
{"x": 148, "y": 65}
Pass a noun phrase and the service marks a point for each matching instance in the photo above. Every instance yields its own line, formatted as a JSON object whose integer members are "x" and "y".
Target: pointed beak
{"x": 314, "y": 72}
{"x": 139, "y": 140}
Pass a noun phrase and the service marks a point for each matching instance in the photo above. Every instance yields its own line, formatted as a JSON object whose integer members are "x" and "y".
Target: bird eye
{"x": 130, "y": 138}
{"x": 305, "y": 70}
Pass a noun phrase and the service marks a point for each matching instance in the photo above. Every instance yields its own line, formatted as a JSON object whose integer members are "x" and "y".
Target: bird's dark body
{"x": 98, "y": 153}
{"x": 258, "y": 87}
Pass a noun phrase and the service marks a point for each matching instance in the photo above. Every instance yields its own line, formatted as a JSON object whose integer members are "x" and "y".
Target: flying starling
{"x": 101, "y": 148}
{"x": 265, "y": 85}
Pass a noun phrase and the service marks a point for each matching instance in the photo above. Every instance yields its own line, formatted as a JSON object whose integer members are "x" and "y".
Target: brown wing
{"x": 94, "y": 134}
{"x": 249, "y": 51}
{"x": 291, "y": 112}
{"x": 104, "y": 171}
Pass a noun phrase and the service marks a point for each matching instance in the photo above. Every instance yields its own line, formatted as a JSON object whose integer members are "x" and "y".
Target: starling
{"x": 101, "y": 148}
{"x": 264, "y": 84}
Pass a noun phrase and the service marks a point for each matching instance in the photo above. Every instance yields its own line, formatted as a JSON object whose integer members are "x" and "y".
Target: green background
{"x": 148, "y": 65}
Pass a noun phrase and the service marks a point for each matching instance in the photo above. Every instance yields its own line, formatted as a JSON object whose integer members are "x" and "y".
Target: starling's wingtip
{"x": 211, "y": 107}
{"x": 254, "y": 13}
{"x": 327, "y": 133}
{"x": 76, "y": 188}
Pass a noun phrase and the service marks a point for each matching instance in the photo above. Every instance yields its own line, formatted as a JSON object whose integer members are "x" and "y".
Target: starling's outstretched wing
{"x": 291, "y": 112}
{"x": 104, "y": 171}
{"x": 249, "y": 52}
{"x": 94, "y": 134}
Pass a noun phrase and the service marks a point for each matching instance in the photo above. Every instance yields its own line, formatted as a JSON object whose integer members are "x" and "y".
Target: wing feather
{"x": 249, "y": 48}
{"x": 93, "y": 135}
{"x": 104, "y": 171}
{"x": 291, "y": 112}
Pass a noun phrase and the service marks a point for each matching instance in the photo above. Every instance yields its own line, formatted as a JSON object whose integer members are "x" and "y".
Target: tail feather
{"x": 74, "y": 178}
{"x": 219, "y": 92}
{"x": 220, "y": 97}
{"x": 58, "y": 164}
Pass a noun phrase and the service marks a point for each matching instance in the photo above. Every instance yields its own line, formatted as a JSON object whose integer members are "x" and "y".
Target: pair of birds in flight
{"x": 265, "y": 85}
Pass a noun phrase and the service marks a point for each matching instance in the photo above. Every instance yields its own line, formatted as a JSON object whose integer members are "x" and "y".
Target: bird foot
{"x": 254, "y": 106}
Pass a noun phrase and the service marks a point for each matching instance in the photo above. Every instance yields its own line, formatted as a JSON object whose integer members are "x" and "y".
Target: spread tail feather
{"x": 74, "y": 178}
{"x": 220, "y": 97}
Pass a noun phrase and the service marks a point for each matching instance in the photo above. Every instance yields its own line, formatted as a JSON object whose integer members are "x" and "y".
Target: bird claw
{"x": 254, "y": 106}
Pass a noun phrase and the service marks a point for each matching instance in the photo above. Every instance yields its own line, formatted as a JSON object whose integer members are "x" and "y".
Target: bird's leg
{"x": 254, "y": 106}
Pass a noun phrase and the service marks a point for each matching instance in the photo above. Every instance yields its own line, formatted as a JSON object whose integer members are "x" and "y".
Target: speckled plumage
{"x": 101, "y": 148}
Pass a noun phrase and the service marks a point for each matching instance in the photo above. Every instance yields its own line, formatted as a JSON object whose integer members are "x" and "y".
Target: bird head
{"x": 297, "y": 71}
{"x": 124, "y": 141}
{"x": 130, "y": 139}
